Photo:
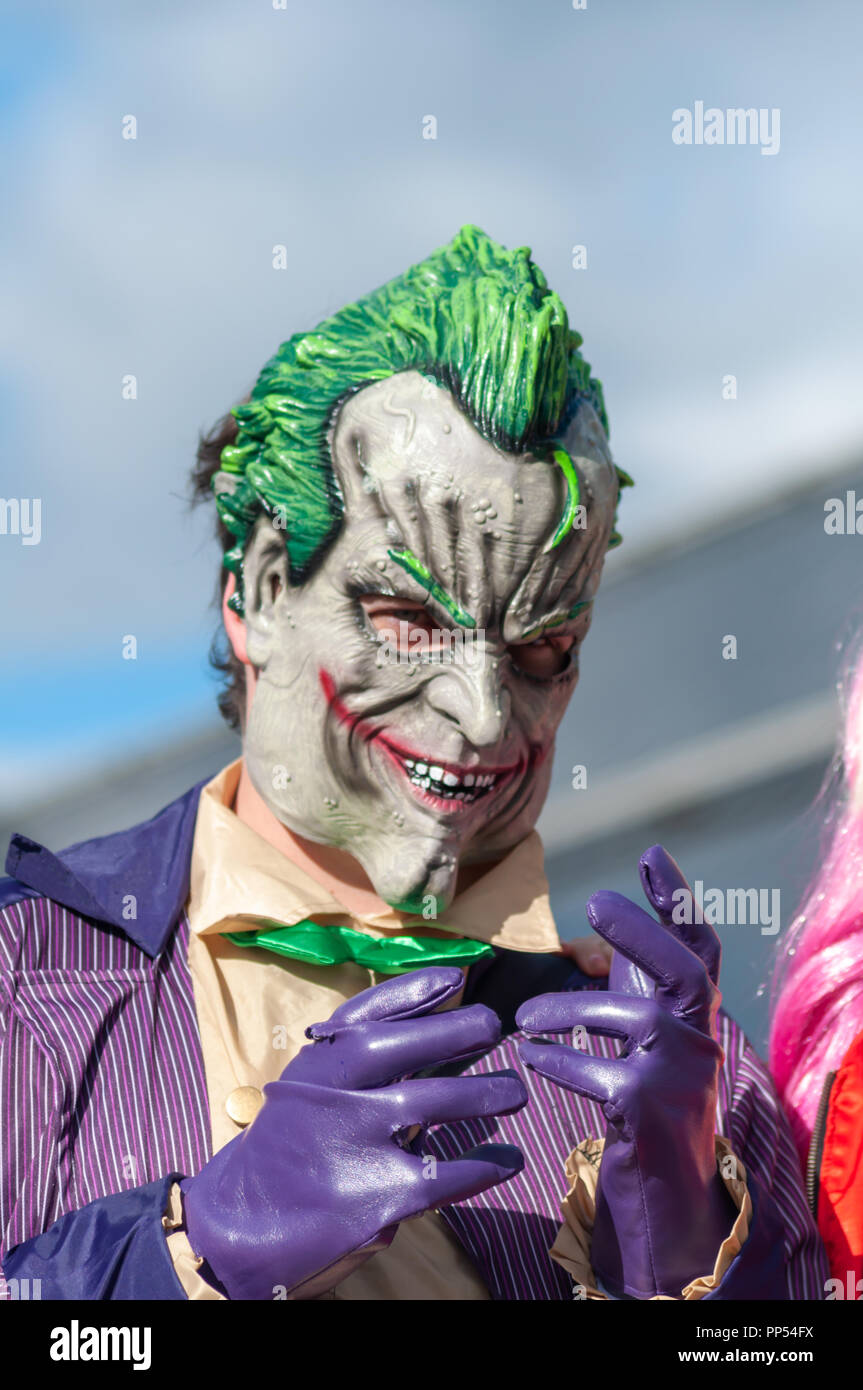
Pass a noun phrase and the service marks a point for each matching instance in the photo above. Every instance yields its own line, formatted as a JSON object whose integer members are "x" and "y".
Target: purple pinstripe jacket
{"x": 103, "y": 1099}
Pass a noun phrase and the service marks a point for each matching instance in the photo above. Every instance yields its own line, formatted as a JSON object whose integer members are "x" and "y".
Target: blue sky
{"x": 302, "y": 127}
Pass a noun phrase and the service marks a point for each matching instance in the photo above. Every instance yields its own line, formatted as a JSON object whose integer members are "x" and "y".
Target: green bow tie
{"x": 393, "y": 955}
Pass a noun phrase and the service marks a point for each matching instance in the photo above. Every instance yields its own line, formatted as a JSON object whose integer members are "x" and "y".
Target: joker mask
{"x": 410, "y": 681}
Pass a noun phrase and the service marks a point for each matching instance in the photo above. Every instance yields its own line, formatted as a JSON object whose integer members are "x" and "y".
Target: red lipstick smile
{"x": 441, "y": 785}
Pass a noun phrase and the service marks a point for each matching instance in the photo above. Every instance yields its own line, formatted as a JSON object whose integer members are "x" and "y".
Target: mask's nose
{"x": 473, "y": 697}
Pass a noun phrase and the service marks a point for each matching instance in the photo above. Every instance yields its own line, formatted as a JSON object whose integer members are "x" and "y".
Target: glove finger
{"x": 598, "y": 1078}
{"x": 439, "y": 1100}
{"x": 618, "y": 1015}
{"x": 372, "y": 1054}
{"x": 626, "y": 978}
{"x": 475, "y": 1171}
{"x": 669, "y": 893}
{"x": 404, "y": 996}
{"x": 682, "y": 983}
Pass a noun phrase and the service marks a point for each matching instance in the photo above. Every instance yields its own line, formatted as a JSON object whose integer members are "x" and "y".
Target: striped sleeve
{"x": 30, "y": 1122}
{"x": 102, "y": 1090}
{"x": 31, "y": 1114}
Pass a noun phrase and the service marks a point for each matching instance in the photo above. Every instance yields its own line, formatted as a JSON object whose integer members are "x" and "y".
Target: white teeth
{"x": 466, "y": 788}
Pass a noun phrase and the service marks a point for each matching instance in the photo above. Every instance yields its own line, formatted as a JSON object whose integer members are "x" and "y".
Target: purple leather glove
{"x": 662, "y": 1209}
{"x": 322, "y": 1177}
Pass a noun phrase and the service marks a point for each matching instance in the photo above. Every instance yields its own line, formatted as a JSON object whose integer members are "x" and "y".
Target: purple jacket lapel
{"x": 96, "y": 878}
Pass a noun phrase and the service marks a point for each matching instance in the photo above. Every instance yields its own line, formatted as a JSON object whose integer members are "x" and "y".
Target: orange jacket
{"x": 835, "y": 1176}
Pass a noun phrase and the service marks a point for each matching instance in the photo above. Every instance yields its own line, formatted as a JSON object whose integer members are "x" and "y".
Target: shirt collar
{"x": 138, "y": 880}
{"x": 238, "y": 877}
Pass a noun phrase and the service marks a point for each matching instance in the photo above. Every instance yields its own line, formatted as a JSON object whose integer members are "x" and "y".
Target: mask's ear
{"x": 266, "y": 573}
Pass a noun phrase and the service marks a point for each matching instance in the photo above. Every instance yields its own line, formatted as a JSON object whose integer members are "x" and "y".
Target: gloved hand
{"x": 662, "y": 1210}
{"x": 323, "y": 1175}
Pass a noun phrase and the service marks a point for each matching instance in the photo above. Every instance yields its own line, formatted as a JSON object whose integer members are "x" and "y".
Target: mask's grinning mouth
{"x": 466, "y": 786}
{"x": 443, "y": 787}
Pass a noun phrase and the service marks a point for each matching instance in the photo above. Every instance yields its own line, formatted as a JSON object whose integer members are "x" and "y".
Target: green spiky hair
{"x": 476, "y": 318}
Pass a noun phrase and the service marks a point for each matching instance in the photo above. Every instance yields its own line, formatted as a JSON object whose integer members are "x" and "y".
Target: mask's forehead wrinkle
{"x": 438, "y": 514}
{"x": 558, "y": 579}
{"x": 570, "y": 572}
{"x": 410, "y": 419}
{"x": 474, "y": 535}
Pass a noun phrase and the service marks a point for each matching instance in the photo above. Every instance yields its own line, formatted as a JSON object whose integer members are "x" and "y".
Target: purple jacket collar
{"x": 136, "y": 881}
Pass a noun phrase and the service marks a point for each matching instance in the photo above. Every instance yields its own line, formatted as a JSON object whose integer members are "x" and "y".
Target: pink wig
{"x": 819, "y": 996}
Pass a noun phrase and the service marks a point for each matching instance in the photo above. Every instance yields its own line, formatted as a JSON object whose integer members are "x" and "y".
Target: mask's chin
{"x": 411, "y": 873}
{"x": 417, "y": 872}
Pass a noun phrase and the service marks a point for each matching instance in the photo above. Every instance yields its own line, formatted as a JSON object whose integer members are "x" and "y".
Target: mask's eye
{"x": 544, "y": 657}
{"x": 401, "y": 623}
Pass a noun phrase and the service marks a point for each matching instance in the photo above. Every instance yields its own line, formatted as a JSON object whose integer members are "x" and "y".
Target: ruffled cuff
{"x": 186, "y": 1262}
{"x": 571, "y": 1249}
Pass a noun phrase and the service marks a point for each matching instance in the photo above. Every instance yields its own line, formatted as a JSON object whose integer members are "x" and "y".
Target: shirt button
{"x": 243, "y": 1105}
